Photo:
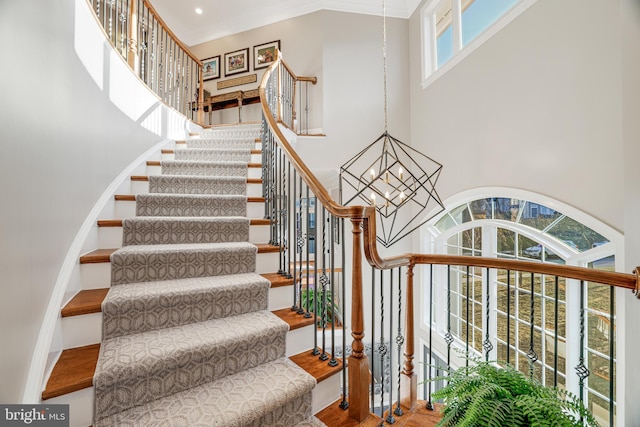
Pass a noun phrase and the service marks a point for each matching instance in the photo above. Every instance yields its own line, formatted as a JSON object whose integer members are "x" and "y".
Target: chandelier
{"x": 395, "y": 178}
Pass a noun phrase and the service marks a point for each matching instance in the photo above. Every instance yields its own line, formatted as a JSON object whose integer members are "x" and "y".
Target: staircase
{"x": 194, "y": 329}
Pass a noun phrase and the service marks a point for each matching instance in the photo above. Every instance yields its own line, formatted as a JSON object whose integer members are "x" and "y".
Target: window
{"x": 454, "y": 28}
{"x": 502, "y": 305}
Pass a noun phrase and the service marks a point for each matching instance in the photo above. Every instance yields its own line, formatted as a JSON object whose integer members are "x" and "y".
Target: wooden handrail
{"x": 173, "y": 36}
{"x": 365, "y": 217}
{"x": 313, "y": 80}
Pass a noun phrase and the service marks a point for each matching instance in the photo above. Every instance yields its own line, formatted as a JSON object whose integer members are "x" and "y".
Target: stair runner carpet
{"x": 187, "y": 337}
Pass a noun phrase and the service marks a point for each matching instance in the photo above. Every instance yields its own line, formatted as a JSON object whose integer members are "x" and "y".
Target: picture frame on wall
{"x": 264, "y": 54}
{"x": 211, "y": 68}
{"x": 236, "y": 62}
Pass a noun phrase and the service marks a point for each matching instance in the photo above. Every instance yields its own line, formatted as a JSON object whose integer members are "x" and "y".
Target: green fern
{"x": 485, "y": 395}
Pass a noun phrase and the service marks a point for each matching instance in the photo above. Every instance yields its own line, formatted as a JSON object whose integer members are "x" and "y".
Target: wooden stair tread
{"x": 90, "y": 301}
{"x": 118, "y": 222}
{"x": 98, "y": 256}
{"x": 74, "y": 371}
{"x": 278, "y": 280}
{"x": 159, "y": 163}
{"x": 102, "y": 255}
{"x": 76, "y": 367}
{"x": 319, "y": 369}
{"x": 85, "y": 302}
{"x": 132, "y": 198}
{"x": 145, "y": 178}
{"x": 267, "y": 248}
{"x": 294, "y": 319}
{"x": 172, "y": 151}
{"x": 334, "y": 416}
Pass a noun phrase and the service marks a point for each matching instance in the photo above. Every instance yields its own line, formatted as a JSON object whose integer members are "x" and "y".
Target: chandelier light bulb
{"x": 373, "y": 174}
{"x": 400, "y": 173}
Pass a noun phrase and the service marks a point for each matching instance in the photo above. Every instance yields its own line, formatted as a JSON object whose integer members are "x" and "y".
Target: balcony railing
{"x": 297, "y": 203}
{"x": 155, "y": 54}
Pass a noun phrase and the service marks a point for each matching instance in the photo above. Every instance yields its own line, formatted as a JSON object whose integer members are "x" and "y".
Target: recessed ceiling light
{"x": 198, "y": 11}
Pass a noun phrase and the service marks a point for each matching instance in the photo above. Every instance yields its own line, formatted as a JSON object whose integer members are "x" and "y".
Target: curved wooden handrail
{"x": 173, "y": 36}
{"x": 367, "y": 215}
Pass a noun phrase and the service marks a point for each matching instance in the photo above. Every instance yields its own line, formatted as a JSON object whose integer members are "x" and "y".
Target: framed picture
{"x": 265, "y": 54}
{"x": 211, "y": 68}
{"x": 236, "y": 62}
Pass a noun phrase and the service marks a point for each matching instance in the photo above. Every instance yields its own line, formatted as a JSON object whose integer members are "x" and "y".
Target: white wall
{"x": 301, "y": 44}
{"x": 65, "y": 137}
{"x": 550, "y": 104}
{"x": 630, "y": 44}
{"x": 537, "y": 107}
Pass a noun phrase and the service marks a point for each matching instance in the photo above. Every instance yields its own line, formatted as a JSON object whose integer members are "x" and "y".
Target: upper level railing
{"x": 154, "y": 53}
{"x": 530, "y": 298}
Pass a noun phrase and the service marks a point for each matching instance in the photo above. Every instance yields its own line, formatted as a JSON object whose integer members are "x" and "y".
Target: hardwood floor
{"x": 333, "y": 416}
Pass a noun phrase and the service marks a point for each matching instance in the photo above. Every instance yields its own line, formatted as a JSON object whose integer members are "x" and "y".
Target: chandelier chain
{"x": 384, "y": 60}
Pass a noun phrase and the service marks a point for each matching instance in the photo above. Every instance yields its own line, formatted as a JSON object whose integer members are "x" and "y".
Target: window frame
{"x": 428, "y": 41}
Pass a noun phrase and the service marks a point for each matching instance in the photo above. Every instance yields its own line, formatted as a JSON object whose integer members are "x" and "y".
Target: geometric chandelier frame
{"x": 398, "y": 180}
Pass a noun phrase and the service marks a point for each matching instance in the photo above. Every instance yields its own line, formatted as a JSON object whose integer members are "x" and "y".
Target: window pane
{"x": 576, "y": 235}
{"x": 444, "y": 33}
{"x": 444, "y": 47}
{"x": 479, "y": 14}
{"x": 538, "y": 216}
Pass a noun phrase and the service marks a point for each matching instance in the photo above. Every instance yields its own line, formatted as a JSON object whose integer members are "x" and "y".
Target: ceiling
{"x": 225, "y": 17}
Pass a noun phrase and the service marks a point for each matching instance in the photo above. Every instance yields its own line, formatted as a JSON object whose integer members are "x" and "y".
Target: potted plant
{"x": 486, "y": 395}
{"x": 328, "y": 309}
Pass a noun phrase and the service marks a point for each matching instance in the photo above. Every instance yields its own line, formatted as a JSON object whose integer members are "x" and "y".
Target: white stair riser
{"x": 280, "y": 297}
{"x": 255, "y": 158}
{"x": 95, "y": 276}
{"x": 299, "y": 340}
{"x": 139, "y": 187}
{"x": 259, "y": 233}
{"x": 86, "y": 329}
{"x": 82, "y": 330}
{"x": 255, "y": 173}
{"x": 325, "y": 393}
{"x": 127, "y": 209}
{"x": 111, "y": 237}
{"x": 80, "y": 406}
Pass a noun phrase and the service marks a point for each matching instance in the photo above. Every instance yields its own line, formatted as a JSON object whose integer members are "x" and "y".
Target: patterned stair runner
{"x": 187, "y": 338}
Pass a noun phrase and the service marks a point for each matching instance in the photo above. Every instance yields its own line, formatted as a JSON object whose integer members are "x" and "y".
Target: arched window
{"x": 527, "y": 228}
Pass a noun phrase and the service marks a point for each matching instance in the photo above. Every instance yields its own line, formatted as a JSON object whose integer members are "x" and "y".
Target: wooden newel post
{"x": 408, "y": 378}
{"x": 359, "y": 378}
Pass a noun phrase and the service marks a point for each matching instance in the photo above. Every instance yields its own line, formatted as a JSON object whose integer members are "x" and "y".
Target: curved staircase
{"x": 194, "y": 331}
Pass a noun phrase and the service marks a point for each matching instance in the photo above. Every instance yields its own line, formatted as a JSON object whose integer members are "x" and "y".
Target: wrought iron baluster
{"x": 468, "y": 321}
{"x": 531, "y": 354}
{"x": 332, "y": 281}
{"x": 287, "y": 220}
{"x": 612, "y": 331}
{"x": 448, "y": 337}
{"x": 316, "y": 351}
{"x": 429, "y": 366}
{"x": 399, "y": 343}
{"x": 390, "y": 419}
{"x": 487, "y": 342}
{"x": 296, "y": 231}
{"x": 324, "y": 281}
{"x": 581, "y": 369}
{"x": 373, "y": 334}
{"x": 555, "y": 340}
{"x": 300, "y": 241}
{"x": 382, "y": 346}
{"x": 508, "y": 316}
{"x": 307, "y": 314}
